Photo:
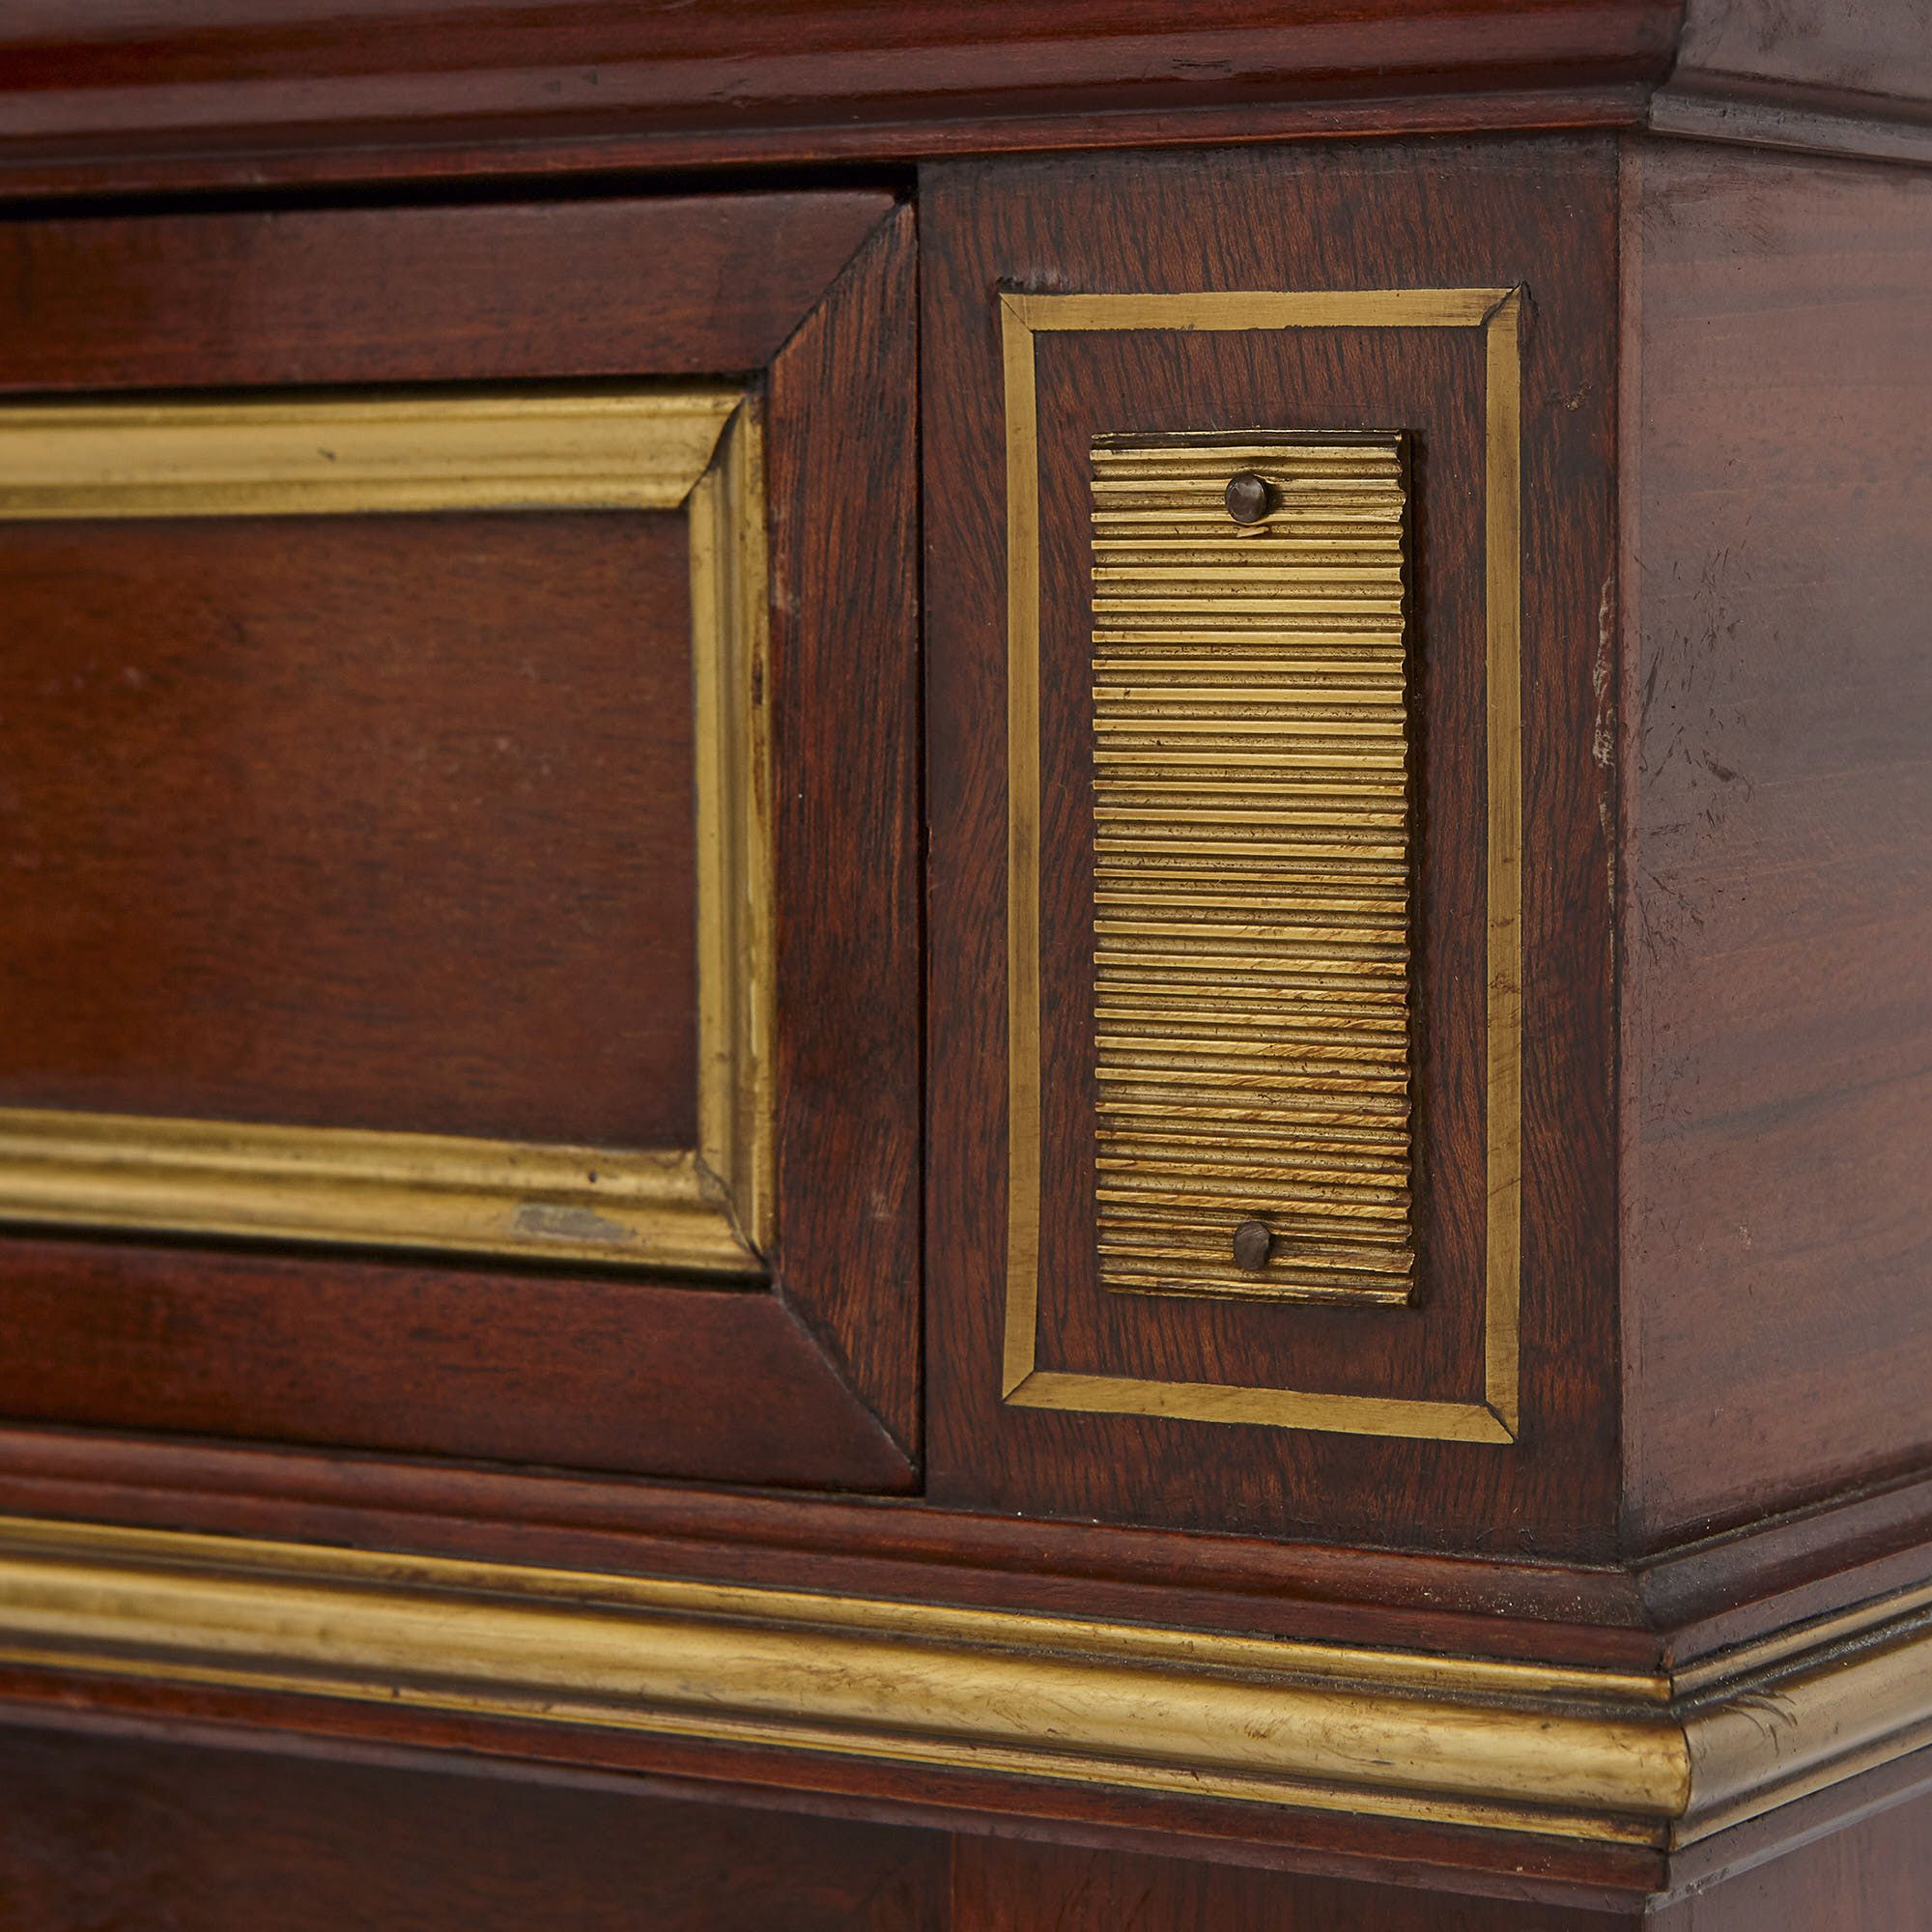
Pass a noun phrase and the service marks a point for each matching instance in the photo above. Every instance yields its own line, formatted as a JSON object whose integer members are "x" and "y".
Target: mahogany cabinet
{"x": 966, "y": 970}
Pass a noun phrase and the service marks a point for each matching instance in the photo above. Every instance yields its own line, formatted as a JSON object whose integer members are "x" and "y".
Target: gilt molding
{"x": 1550, "y": 1751}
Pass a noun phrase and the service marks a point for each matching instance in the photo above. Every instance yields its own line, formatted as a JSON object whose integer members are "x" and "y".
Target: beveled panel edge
{"x": 707, "y": 1209}
{"x": 1544, "y": 1750}
{"x": 1497, "y": 313}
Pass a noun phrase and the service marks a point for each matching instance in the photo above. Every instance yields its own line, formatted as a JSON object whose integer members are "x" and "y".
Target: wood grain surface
{"x": 1778, "y": 886}
{"x": 1875, "y": 1873}
{"x": 683, "y": 285}
{"x": 1451, "y": 214}
{"x": 114, "y": 1833}
{"x": 1002, "y": 1887}
{"x": 843, "y": 479}
{"x": 515, "y": 1367}
{"x": 1834, "y": 76}
{"x": 353, "y": 821}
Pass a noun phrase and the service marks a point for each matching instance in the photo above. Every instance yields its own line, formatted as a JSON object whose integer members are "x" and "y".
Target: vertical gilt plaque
{"x": 1253, "y": 865}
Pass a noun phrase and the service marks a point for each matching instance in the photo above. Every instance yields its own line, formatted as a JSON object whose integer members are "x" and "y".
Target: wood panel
{"x": 1430, "y": 382}
{"x": 1833, "y": 53}
{"x": 1463, "y": 214}
{"x": 1875, "y": 1872}
{"x": 1002, "y": 1887}
{"x": 364, "y": 822}
{"x": 553, "y": 1368}
{"x": 1778, "y": 889}
{"x": 809, "y": 298}
{"x": 697, "y": 285}
{"x": 241, "y": 92}
{"x": 843, "y": 477}
{"x": 115, "y": 1833}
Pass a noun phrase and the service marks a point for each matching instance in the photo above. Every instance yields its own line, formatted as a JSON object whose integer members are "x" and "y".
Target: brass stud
{"x": 1254, "y": 1243}
{"x": 1249, "y": 496}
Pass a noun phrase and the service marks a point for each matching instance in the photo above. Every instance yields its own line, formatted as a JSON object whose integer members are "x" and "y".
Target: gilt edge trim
{"x": 1552, "y": 1751}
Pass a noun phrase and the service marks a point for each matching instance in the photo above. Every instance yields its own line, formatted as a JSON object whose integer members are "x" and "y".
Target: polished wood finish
{"x": 387, "y": 822}
{"x": 386, "y": 1837}
{"x": 710, "y": 285}
{"x": 843, "y": 477}
{"x": 1777, "y": 1052}
{"x": 448, "y": 918}
{"x": 557, "y": 1367}
{"x": 1875, "y": 1873}
{"x": 998, "y": 1886}
{"x": 1482, "y": 215}
{"x": 1724, "y": 1435}
{"x": 239, "y": 92}
{"x": 237, "y": 1841}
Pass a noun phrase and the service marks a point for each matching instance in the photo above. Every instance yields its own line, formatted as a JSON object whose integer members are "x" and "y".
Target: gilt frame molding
{"x": 1495, "y": 313}
{"x": 707, "y": 1209}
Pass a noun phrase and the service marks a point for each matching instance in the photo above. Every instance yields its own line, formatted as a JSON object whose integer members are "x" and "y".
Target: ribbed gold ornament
{"x": 1253, "y": 864}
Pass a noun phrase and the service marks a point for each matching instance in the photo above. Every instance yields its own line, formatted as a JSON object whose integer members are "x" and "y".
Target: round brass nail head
{"x": 1253, "y": 1245}
{"x": 1249, "y": 496}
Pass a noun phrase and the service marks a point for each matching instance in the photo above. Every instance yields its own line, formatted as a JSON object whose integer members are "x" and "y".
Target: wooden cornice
{"x": 118, "y": 96}
{"x": 115, "y": 95}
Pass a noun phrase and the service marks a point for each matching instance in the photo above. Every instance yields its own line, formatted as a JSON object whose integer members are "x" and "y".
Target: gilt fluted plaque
{"x": 1252, "y": 865}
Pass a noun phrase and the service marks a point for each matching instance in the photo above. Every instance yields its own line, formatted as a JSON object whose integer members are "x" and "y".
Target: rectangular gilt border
{"x": 1496, "y": 314}
{"x": 707, "y": 1209}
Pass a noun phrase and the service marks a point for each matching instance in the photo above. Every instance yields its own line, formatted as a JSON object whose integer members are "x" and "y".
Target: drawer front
{"x": 461, "y": 972}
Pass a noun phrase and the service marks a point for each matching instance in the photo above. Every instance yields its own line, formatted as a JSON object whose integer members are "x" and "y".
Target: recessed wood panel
{"x": 414, "y": 800}
{"x": 368, "y": 821}
{"x": 1469, "y": 1413}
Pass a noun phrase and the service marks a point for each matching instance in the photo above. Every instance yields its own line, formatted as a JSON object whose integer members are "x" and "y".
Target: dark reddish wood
{"x": 1455, "y": 214}
{"x": 123, "y": 1834}
{"x": 1770, "y": 1575}
{"x": 868, "y": 1546}
{"x": 238, "y": 91}
{"x": 1000, "y": 1886}
{"x": 1871, "y": 1874}
{"x": 1777, "y": 931}
{"x": 562, "y": 1369}
{"x": 1272, "y": 1838}
{"x": 530, "y": 162}
{"x": 701, "y": 285}
{"x": 1673, "y": 1608}
{"x": 1875, "y": 1873}
{"x": 453, "y": 908}
{"x": 843, "y": 485}
{"x": 347, "y": 821}
{"x": 1903, "y": 1786}
{"x": 734, "y": 1805}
